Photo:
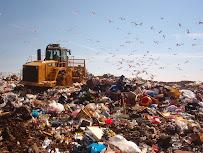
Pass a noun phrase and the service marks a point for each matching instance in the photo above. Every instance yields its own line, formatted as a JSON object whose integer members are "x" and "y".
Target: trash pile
{"x": 108, "y": 114}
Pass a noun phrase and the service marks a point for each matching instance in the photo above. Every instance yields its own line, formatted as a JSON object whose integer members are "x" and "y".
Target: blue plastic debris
{"x": 114, "y": 88}
{"x": 96, "y": 148}
{"x": 35, "y": 113}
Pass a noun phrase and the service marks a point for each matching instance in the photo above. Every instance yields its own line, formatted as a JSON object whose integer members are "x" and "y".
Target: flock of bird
{"x": 139, "y": 65}
{"x": 133, "y": 61}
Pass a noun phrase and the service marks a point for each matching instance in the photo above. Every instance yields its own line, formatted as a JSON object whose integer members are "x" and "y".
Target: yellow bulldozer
{"x": 57, "y": 69}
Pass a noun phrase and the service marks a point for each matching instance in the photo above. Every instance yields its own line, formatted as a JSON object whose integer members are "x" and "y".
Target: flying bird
{"x": 136, "y": 24}
{"x": 179, "y": 24}
{"x": 130, "y": 65}
{"x": 127, "y": 42}
{"x": 76, "y": 12}
{"x": 93, "y": 13}
{"x": 119, "y": 68}
{"x": 110, "y": 21}
{"x": 122, "y": 18}
{"x": 156, "y": 42}
{"x": 188, "y": 31}
{"x": 179, "y": 44}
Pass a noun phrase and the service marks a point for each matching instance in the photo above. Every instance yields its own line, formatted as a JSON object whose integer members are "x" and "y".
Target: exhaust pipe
{"x": 39, "y": 54}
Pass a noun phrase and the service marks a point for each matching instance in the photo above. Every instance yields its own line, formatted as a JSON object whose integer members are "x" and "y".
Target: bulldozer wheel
{"x": 60, "y": 78}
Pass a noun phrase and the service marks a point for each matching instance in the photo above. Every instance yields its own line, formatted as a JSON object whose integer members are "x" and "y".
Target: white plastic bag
{"x": 54, "y": 106}
{"x": 188, "y": 94}
{"x": 124, "y": 145}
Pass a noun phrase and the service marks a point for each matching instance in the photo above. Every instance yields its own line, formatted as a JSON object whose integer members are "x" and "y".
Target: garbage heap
{"x": 107, "y": 114}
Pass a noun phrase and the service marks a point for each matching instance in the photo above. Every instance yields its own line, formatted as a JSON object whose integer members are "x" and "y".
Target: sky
{"x": 153, "y": 39}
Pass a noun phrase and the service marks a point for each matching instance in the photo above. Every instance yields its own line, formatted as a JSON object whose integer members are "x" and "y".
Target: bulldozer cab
{"x": 55, "y": 52}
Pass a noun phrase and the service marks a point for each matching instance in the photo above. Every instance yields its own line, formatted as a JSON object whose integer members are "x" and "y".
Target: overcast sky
{"x": 159, "y": 39}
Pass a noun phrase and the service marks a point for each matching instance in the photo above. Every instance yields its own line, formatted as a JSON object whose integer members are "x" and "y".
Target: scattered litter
{"x": 108, "y": 114}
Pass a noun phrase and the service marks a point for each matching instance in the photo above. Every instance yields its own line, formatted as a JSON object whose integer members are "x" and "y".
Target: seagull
{"x": 93, "y": 13}
{"x": 160, "y": 31}
{"x": 179, "y": 24}
{"x": 35, "y": 30}
{"x": 156, "y": 42}
{"x": 188, "y": 31}
{"x": 127, "y": 42}
{"x": 134, "y": 23}
{"x": 76, "y": 12}
{"x": 110, "y": 21}
{"x": 177, "y": 44}
{"x": 26, "y": 41}
{"x": 201, "y": 22}
{"x": 164, "y": 36}
{"x": 119, "y": 68}
{"x": 179, "y": 68}
{"x": 130, "y": 65}
{"x": 89, "y": 39}
{"x": 122, "y": 18}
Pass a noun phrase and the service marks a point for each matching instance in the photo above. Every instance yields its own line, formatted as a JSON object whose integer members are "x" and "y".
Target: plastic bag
{"x": 124, "y": 145}
{"x": 188, "y": 94}
{"x": 181, "y": 123}
{"x": 56, "y": 107}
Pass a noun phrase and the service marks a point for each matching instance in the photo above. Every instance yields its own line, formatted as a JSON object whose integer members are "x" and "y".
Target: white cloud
{"x": 179, "y": 37}
{"x": 196, "y": 35}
